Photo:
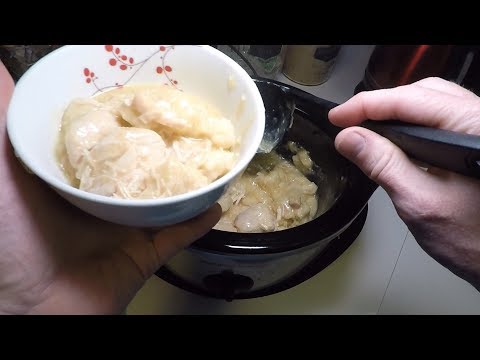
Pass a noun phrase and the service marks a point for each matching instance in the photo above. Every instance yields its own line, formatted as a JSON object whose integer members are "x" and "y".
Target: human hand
{"x": 56, "y": 259}
{"x": 440, "y": 208}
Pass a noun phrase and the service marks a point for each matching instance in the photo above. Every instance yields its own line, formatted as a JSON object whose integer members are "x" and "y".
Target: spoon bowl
{"x": 279, "y": 109}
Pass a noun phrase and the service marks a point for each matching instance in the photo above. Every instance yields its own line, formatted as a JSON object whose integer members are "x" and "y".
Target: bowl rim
{"x": 242, "y": 163}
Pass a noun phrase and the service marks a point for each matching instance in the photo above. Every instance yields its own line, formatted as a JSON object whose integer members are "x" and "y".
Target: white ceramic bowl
{"x": 44, "y": 91}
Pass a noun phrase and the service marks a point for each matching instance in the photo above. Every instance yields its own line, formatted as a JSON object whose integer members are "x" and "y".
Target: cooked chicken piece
{"x": 271, "y": 195}
{"x": 121, "y": 163}
{"x": 257, "y": 218}
{"x": 83, "y": 132}
{"x": 80, "y": 107}
{"x": 144, "y": 141}
{"x": 165, "y": 107}
{"x": 212, "y": 162}
{"x": 134, "y": 163}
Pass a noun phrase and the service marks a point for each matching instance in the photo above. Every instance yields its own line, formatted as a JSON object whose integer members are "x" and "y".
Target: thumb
{"x": 152, "y": 252}
{"x": 381, "y": 160}
{"x": 171, "y": 240}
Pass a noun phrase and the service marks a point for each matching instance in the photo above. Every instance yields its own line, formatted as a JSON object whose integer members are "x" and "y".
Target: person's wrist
{"x": 460, "y": 253}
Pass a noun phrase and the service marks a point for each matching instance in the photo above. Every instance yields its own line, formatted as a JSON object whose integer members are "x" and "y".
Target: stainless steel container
{"x": 310, "y": 64}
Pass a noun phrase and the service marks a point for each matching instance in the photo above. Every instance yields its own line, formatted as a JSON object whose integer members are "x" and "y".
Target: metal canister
{"x": 267, "y": 60}
{"x": 310, "y": 64}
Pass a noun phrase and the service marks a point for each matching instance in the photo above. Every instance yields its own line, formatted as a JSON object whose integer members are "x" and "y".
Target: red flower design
{"x": 89, "y": 75}
{"x": 125, "y": 62}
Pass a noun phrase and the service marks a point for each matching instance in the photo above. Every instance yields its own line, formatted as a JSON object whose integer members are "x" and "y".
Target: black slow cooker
{"x": 231, "y": 265}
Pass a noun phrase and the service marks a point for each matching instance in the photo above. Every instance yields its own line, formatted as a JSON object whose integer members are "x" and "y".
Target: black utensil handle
{"x": 441, "y": 148}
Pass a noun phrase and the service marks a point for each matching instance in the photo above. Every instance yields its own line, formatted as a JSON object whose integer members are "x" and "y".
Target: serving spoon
{"x": 444, "y": 149}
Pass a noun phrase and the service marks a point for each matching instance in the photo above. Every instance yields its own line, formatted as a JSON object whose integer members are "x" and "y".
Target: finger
{"x": 448, "y": 87}
{"x": 381, "y": 160}
{"x": 148, "y": 253}
{"x": 410, "y": 103}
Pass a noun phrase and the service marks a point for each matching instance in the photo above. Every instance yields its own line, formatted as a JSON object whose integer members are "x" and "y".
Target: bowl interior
{"x": 45, "y": 90}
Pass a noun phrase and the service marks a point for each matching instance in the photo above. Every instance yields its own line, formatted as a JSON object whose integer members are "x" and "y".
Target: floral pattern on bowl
{"x": 121, "y": 61}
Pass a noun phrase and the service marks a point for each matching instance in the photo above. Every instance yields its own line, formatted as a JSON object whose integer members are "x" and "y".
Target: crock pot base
{"x": 333, "y": 250}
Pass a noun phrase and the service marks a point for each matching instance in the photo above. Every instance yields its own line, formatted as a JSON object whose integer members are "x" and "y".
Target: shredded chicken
{"x": 272, "y": 194}
{"x": 144, "y": 141}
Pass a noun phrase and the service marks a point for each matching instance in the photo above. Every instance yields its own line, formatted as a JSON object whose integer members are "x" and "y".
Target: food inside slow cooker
{"x": 144, "y": 141}
{"x": 273, "y": 194}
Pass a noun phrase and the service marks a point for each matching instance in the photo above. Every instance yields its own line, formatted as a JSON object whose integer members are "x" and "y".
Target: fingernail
{"x": 351, "y": 144}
